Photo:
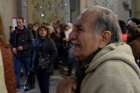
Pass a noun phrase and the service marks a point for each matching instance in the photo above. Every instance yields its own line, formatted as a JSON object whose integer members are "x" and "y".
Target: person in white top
{"x": 68, "y": 30}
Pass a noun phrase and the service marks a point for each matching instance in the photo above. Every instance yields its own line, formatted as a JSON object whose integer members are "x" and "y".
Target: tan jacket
{"x": 3, "y": 88}
{"x": 8, "y": 69}
{"x": 112, "y": 70}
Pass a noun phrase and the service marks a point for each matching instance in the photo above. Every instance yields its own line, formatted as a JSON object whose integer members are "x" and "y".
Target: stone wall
{"x": 136, "y": 8}
{"x": 114, "y": 5}
{"x": 8, "y": 9}
{"x": 49, "y": 8}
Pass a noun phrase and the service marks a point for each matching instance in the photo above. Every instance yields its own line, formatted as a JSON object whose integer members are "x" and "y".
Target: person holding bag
{"x": 45, "y": 55}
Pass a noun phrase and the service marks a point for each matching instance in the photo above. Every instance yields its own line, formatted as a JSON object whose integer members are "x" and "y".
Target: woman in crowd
{"x": 46, "y": 54}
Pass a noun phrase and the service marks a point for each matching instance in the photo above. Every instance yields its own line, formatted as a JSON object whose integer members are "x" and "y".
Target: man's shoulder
{"x": 114, "y": 67}
{"x": 113, "y": 70}
{"x": 111, "y": 74}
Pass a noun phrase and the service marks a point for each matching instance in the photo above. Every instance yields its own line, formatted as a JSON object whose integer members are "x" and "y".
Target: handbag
{"x": 44, "y": 63}
{"x": 30, "y": 82}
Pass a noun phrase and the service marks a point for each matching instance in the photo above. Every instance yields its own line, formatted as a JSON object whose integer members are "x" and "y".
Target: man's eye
{"x": 80, "y": 29}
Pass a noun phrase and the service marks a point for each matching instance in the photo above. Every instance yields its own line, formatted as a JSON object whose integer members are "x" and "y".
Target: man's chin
{"x": 79, "y": 57}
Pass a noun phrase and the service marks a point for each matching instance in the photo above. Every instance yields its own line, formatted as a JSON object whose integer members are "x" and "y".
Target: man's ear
{"x": 105, "y": 38}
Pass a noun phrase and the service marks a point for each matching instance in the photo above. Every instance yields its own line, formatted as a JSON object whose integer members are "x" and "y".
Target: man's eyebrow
{"x": 77, "y": 25}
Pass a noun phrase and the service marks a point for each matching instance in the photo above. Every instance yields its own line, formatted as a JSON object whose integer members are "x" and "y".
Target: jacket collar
{"x": 115, "y": 51}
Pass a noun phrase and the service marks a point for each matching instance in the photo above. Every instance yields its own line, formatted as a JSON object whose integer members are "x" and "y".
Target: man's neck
{"x": 86, "y": 61}
{"x": 21, "y": 28}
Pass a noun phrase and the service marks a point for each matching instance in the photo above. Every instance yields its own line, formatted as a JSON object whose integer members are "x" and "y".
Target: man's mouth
{"x": 75, "y": 45}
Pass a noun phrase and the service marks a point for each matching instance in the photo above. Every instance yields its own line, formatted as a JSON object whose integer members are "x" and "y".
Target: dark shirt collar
{"x": 20, "y": 28}
{"x": 81, "y": 68}
{"x": 85, "y": 63}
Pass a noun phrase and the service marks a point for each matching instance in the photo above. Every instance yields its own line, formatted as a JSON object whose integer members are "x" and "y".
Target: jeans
{"x": 18, "y": 63}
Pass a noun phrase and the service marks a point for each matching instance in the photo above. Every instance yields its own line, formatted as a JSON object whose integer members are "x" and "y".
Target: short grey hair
{"x": 106, "y": 21}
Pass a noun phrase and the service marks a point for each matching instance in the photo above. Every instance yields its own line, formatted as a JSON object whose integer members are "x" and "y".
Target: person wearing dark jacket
{"x": 134, "y": 37}
{"x": 46, "y": 54}
{"x": 21, "y": 47}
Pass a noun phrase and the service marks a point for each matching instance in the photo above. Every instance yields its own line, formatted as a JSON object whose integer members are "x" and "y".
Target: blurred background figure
{"x": 133, "y": 22}
{"x": 134, "y": 37}
{"x": 58, "y": 36}
{"x": 35, "y": 29}
{"x": 68, "y": 30}
{"x": 123, "y": 26}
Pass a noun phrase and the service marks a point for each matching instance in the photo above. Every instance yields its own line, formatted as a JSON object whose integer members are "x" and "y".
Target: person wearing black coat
{"x": 134, "y": 38}
{"x": 21, "y": 43}
{"x": 46, "y": 53}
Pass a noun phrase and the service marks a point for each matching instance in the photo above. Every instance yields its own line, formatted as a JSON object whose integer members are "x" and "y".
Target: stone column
{"x": 24, "y": 10}
{"x": 83, "y": 4}
{"x": 8, "y": 9}
{"x": 30, "y": 10}
{"x": 115, "y": 5}
{"x": 67, "y": 11}
{"x": 136, "y": 8}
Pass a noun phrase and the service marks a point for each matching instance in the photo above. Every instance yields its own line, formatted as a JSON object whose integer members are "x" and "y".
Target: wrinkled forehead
{"x": 87, "y": 17}
{"x": 77, "y": 22}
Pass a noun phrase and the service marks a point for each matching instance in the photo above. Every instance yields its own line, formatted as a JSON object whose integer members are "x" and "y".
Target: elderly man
{"x": 106, "y": 64}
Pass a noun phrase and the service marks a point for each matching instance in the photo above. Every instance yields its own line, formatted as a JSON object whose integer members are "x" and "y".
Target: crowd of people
{"x": 40, "y": 48}
{"x": 105, "y": 52}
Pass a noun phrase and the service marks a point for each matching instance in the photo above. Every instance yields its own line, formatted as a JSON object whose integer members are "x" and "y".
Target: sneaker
{"x": 26, "y": 88}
